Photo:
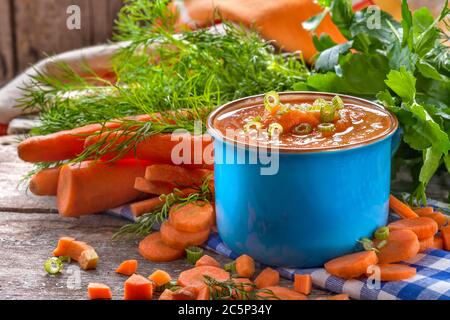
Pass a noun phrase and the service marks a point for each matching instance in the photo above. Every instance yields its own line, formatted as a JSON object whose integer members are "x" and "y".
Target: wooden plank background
{"x": 32, "y": 29}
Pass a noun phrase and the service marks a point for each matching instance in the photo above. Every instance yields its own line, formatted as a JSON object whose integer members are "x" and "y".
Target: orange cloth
{"x": 278, "y": 20}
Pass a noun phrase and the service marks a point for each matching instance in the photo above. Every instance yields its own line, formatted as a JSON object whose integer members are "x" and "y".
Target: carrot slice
{"x": 294, "y": 117}
{"x": 245, "y": 266}
{"x": 63, "y": 145}
{"x": 160, "y": 277}
{"x": 426, "y": 243}
{"x": 206, "y": 260}
{"x": 180, "y": 239}
{"x": 167, "y": 294}
{"x": 138, "y": 287}
{"x": 45, "y": 182}
{"x": 185, "y": 293}
{"x": 351, "y": 265}
{"x": 127, "y": 267}
{"x": 282, "y": 294}
{"x": 303, "y": 283}
{"x": 176, "y": 175}
{"x": 92, "y": 187}
{"x": 203, "y": 293}
{"x": 423, "y": 227}
{"x": 445, "y": 234}
{"x": 440, "y": 218}
{"x": 267, "y": 278}
{"x": 155, "y": 187}
{"x": 154, "y": 249}
{"x": 438, "y": 243}
{"x": 244, "y": 284}
{"x": 195, "y": 277}
{"x": 400, "y": 208}
{"x": 396, "y": 272}
{"x": 99, "y": 291}
{"x": 192, "y": 217}
{"x": 79, "y": 251}
{"x": 423, "y": 210}
{"x": 401, "y": 245}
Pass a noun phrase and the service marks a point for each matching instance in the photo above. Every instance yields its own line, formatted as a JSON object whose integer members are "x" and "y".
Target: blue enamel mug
{"x": 316, "y": 206}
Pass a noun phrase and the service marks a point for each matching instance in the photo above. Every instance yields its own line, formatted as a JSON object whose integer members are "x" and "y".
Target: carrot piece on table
{"x": 245, "y": 266}
{"x": 127, "y": 267}
{"x": 45, "y": 182}
{"x": 203, "y": 293}
{"x": 351, "y": 265}
{"x": 281, "y": 293}
{"x": 154, "y": 249}
{"x": 244, "y": 284}
{"x": 440, "y": 218}
{"x": 400, "y": 208}
{"x": 426, "y": 243}
{"x": 294, "y": 117}
{"x": 154, "y": 187}
{"x": 423, "y": 227}
{"x": 438, "y": 243}
{"x": 91, "y": 187}
{"x": 99, "y": 291}
{"x": 401, "y": 245}
{"x": 267, "y": 278}
{"x": 396, "y": 272}
{"x": 195, "y": 277}
{"x": 423, "y": 210}
{"x": 206, "y": 260}
{"x": 192, "y": 217}
{"x": 167, "y": 294}
{"x": 445, "y": 234}
{"x": 160, "y": 277}
{"x": 185, "y": 293}
{"x": 303, "y": 283}
{"x": 79, "y": 251}
{"x": 180, "y": 239}
{"x": 342, "y": 296}
{"x": 176, "y": 175}
{"x": 138, "y": 287}
{"x": 145, "y": 206}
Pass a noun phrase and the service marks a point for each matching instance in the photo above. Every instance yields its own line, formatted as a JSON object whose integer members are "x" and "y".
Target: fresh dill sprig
{"x": 145, "y": 223}
{"x": 228, "y": 289}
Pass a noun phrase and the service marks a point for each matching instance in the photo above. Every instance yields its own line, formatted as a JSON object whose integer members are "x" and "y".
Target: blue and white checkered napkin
{"x": 432, "y": 281}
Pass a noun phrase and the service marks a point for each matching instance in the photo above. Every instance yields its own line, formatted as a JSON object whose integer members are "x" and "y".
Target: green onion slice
{"x": 230, "y": 267}
{"x": 252, "y": 125}
{"x": 327, "y": 112}
{"x": 271, "y": 100}
{"x": 368, "y": 245}
{"x": 318, "y": 103}
{"x": 326, "y": 127}
{"x": 53, "y": 266}
{"x": 382, "y": 233}
{"x": 337, "y": 102}
{"x": 193, "y": 254}
{"x": 275, "y": 129}
{"x": 302, "y": 129}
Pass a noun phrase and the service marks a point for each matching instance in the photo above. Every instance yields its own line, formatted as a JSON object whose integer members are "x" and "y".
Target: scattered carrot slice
{"x": 138, "y": 287}
{"x": 423, "y": 227}
{"x": 180, "y": 239}
{"x": 45, "y": 182}
{"x": 351, "y": 265}
{"x": 167, "y": 294}
{"x": 185, "y": 293}
{"x": 396, "y": 272}
{"x": 282, "y": 294}
{"x": 63, "y": 246}
{"x": 160, "y": 277}
{"x": 245, "y": 266}
{"x": 99, "y": 291}
{"x": 206, "y": 260}
{"x": 303, "y": 283}
{"x": 426, "y": 243}
{"x": 127, "y": 267}
{"x": 445, "y": 234}
{"x": 195, "y": 277}
{"x": 400, "y": 208}
{"x": 79, "y": 251}
{"x": 401, "y": 245}
{"x": 267, "y": 278}
{"x": 192, "y": 217}
{"x": 154, "y": 249}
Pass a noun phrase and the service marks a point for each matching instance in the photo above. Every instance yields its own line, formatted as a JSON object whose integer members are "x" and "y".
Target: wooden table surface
{"x": 30, "y": 228}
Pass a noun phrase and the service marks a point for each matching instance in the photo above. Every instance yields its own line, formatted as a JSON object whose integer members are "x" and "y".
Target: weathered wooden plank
{"x": 102, "y": 16}
{"x": 6, "y": 42}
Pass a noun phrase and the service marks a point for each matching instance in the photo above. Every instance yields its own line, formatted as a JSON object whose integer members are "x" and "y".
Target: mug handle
{"x": 396, "y": 139}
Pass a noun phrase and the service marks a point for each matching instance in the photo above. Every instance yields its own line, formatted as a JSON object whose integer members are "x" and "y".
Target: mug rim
{"x": 253, "y": 100}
